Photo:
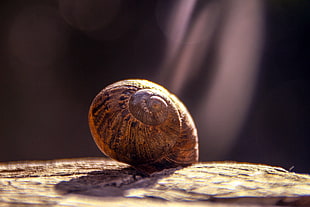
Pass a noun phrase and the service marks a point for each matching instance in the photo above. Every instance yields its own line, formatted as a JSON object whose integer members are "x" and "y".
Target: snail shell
{"x": 140, "y": 123}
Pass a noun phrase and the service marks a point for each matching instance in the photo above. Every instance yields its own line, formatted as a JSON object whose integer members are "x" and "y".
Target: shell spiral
{"x": 140, "y": 123}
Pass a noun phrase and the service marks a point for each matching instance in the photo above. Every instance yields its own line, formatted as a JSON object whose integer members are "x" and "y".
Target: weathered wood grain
{"x": 98, "y": 181}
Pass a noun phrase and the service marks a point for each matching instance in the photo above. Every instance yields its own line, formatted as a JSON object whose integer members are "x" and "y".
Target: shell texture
{"x": 140, "y": 123}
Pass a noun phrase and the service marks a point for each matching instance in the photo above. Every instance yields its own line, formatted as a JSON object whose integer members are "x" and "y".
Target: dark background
{"x": 55, "y": 56}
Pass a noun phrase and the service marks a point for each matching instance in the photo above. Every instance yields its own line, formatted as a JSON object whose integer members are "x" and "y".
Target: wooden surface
{"x": 98, "y": 182}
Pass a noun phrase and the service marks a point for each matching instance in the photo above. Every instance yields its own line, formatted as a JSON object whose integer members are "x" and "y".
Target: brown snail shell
{"x": 140, "y": 123}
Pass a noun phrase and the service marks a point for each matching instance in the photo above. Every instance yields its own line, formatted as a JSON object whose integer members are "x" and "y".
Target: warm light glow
{"x": 226, "y": 102}
{"x": 237, "y": 29}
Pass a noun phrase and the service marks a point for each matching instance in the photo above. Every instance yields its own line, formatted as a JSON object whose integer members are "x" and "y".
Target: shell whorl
{"x": 148, "y": 107}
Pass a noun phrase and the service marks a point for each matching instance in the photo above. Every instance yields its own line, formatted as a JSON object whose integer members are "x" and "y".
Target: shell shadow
{"x": 111, "y": 182}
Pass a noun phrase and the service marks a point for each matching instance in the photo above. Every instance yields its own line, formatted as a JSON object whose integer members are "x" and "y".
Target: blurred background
{"x": 241, "y": 67}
